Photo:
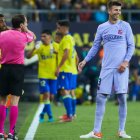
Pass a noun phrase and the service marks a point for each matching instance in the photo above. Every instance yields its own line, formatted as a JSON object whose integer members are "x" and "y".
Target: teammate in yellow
{"x": 73, "y": 83}
{"x": 47, "y": 54}
{"x": 64, "y": 69}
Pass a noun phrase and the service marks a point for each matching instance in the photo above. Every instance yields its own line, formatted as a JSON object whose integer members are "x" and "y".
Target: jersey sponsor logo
{"x": 46, "y": 57}
{"x": 120, "y": 32}
{"x": 111, "y": 37}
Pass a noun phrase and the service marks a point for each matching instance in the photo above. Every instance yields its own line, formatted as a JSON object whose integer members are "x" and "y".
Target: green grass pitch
{"x": 82, "y": 125}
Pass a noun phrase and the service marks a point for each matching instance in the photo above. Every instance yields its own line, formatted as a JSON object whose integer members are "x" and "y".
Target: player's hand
{"x": 123, "y": 66}
{"x": 57, "y": 71}
{"x": 24, "y": 28}
{"x": 81, "y": 65}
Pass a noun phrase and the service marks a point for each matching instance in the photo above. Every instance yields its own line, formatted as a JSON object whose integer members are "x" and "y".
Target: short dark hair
{"x": 114, "y": 3}
{"x": 17, "y": 20}
{"x": 1, "y": 15}
{"x": 47, "y": 31}
{"x": 64, "y": 23}
{"x": 59, "y": 34}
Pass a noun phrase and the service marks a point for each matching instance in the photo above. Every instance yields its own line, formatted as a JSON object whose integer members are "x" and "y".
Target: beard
{"x": 114, "y": 17}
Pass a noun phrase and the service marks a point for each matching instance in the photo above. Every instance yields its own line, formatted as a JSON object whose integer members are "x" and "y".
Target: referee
{"x": 12, "y": 44}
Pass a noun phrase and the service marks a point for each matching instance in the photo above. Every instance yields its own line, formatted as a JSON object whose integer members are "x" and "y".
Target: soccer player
{"x": 12, "y": 44}
{"x": 58, "y": 37}
{"x": 47, "y": 54}
{"x": 73, "y": 83}
{"x": 118, "y": 44}
{"x": 64, "y": 69}
{"x": 3, "y": 26}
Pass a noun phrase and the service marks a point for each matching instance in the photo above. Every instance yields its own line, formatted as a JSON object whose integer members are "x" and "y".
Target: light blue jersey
{"x": 118, "y": 43}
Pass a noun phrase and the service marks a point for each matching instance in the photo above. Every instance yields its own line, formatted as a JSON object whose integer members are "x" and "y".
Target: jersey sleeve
{"x": 130, "y": 43}
{"x": 36, "y": 51}
{"x": 56, "y": 47}
{"x": 29, "y": 36}
{"x": 96, "y": 45}
{"x": 66, "y": 44}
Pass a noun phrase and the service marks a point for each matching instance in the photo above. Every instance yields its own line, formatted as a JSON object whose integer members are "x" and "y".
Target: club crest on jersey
{"x": 120, "y": 32}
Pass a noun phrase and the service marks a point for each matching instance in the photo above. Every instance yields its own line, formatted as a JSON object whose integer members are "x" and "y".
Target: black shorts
{"x": 11, "y": 79}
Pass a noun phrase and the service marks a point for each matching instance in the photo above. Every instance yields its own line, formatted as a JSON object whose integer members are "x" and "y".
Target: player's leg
{"x": 53, "y": 90}
{"x": 99, "y": 113}
{"x": 73, "y": 87}
{"x": 104, "y": 88}
{"x": 16, "y": 86}
{"x": 73, "y": 102}
{"x": 100, "y": 110}
{"x": 105, "y": 83}
{"x": 2, "y": 115}
{"x": 122, "y": 99}
{"x": 122, "y": 111}
{"x": 45, "y": 90}
{"x": 64, "y": 85}
{"x": 121, "y": 88}
{"x": 67, "y": 104}
{"x": 13, "y": 115}
{"x": 3, "y": 95}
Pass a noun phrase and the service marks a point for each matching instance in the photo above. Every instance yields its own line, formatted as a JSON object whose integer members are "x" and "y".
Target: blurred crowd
{"x": 71, "y": 4}
{"x": 52, "y": 5}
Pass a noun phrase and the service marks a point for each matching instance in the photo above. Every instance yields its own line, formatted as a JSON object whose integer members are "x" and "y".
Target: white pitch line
{"x": 34, "y": 125}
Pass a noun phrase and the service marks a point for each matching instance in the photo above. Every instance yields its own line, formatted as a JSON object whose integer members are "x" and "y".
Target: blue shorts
{"x": 64, "y": 80}
{"x": 73, "y": 81}
{"x": 47, "y": 85}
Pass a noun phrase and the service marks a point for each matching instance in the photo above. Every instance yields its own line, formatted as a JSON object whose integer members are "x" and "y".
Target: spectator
{"x": 101, "y": 15}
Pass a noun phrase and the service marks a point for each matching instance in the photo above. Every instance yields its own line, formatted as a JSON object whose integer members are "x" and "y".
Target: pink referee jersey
{"x": 12, "y": 44}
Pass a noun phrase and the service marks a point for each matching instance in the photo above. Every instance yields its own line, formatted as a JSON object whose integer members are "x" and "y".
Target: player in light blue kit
{"x": 118, "y": 42}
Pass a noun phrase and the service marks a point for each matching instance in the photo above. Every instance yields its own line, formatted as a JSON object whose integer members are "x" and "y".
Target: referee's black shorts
{"x": 11, "y": 79}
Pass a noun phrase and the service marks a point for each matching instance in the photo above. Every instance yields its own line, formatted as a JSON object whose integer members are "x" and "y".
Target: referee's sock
{"x": 13, "y": 118}
{"x": 2, "y": 117}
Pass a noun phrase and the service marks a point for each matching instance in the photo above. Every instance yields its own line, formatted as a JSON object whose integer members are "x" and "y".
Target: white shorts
{"x": 111, "y": 79}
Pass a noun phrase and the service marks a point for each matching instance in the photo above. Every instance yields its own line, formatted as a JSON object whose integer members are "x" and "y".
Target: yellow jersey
{"x": 47, "y": 60}
{"x": 66, "y": 43}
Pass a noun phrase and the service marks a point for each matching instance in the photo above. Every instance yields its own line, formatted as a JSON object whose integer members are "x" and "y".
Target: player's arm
{"x": 130, "y": 44}
{"x": 56, "y": 60}
{"x": 35, "y": 50}
{"x": 31, "y": 60}
{"x": 64, "y": 58}
{"x": 77, "y": 59}
{"x": 30, "y": 35}
{"x": 56, "y": 48}
{"x": 93, "y": 51}
{"x": 130, "y": 49}
{"x": 30, "y": 53}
